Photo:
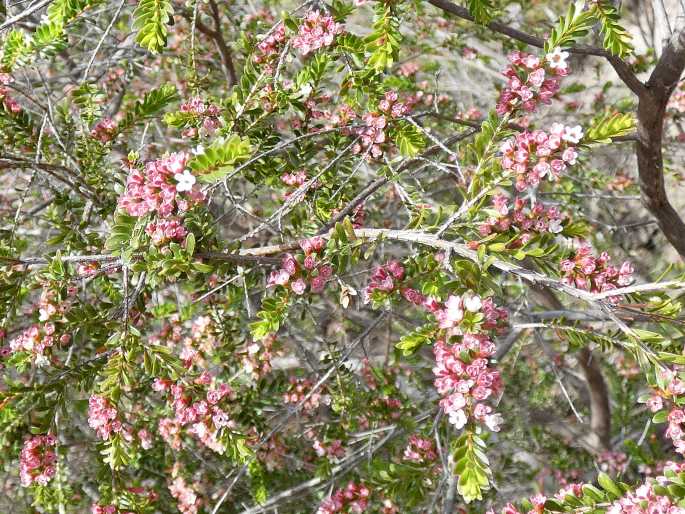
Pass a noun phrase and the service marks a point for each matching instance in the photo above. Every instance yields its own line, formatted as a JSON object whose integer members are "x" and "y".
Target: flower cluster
{"x": 36, "y": 340}
{"x": 531, "y": 81}
{"x": 164, "y": 230}
{"x": 316, "y": 31}
{"x": 534, "y": 155}
{"x": 300, "y": 390}
{"x": 39, "y": 337}
{"x": 333, "y": 451}
{"x": 104, "y": 130}
{"x": 206, "y": 113}
{"x": 205, "y": 417}
{"x": 295, "y": 180}
{"x": 613, "y": 463}
{"x": 96, "y": 508}
{"x": 408, "y": 69}
{"x": 297, "y": 275}
{"x": 386, "y": 278}
{"x": 9, "y": 103}
{"x": 644, "y": 500}
{"x": 537, "y": 502}
{"x": 102, "y": 417}
{"x": 186, "y": 498}
{"x": 671, "y": 388}
{"x": 373, "y": 133}
{"x": 269, "y": 47}
{"x": 257, "y": 359}
{"x": 537, "y": 219}
{"x": 354, "y": 498}
{"x": 391, "y": 106}
{"x": 594, "y": 274}
{"x": 465, "y": 379}
{"x": 420, "y": 450}
{"x": 164, "y": 187}
{"x": 37, "y": 460}
{"x": 461, "y": 314}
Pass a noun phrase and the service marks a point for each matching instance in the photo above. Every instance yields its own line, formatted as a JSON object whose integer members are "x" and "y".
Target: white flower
{"x": 198, "y": 150}
{"x": 306, "y": 90}
{"x": 557, "y": 59}
{"x": 200, "y": 429}
{"x": 493, "y": 421}
{"x": 185, "y": 181}
{"x": 472, "y": 303}
{"x": 555, "y": 226}
{"x": 557, "y": 129}
{"x": 573, "y": 134}
{"x": 458, "y": 418}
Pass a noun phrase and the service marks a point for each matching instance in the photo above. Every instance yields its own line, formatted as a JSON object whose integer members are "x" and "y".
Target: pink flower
{"x": 298, "y": 286}
{"x": 655, "y": 403}
{"x": 37, "y": 459}
{"x": 316, "y": 31}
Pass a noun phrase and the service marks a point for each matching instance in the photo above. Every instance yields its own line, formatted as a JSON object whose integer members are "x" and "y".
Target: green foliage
{"x": 236, "y": 447}
{"x": 117, "y": 374}
{"x": 257, "y": 482}
{"x": 14, "y": 48}
{"x": 49, "y": 38}
{"x": 608, "y": 126}
{"x": 616, "y": 39}
{"x": 155, "y": 100}
{"x": 384, "y": 41}
{"x": 170, "y": 263}
{"x": 151, "y": 18}
{"x": 490, "y": 132}
{"x": 481, "y": 10}
{"x": 62, "y": 11}
{"x": 121, "y": 233}
{"x": 314, "y": 71}
{"x": 89, "y": 99}
{"x": 414, "y": 341}
{"x": 592, "y": 497}
{"x": 272, "y": 315}
{"x": 220, "y": 158}
{"x": 157, "y": 358}
{"x": 343, "y": 247}
{"x": 116, "y": 452}
{"x": 575, "y": 25}
{"x": 471, "y": 465}
{"x": 150, "y": 105}
{"x": 401, "y": 481}
{"x": 408, "y": 138}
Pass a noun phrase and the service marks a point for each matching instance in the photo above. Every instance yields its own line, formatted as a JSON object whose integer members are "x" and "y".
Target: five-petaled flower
{"x": 557, "y": 58}
{"x": 185, "y": 181}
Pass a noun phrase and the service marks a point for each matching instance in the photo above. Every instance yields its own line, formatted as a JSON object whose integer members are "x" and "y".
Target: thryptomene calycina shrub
{"x": 343, "y": 256}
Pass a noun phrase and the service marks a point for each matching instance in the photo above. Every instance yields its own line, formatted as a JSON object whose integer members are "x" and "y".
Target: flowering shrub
{"x": 263, "y": 257}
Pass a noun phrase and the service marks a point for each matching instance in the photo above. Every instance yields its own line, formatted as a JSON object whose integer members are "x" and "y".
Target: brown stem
{"x": 600, "y": 410}
{"x": 217, "y": 36}
{"x": 224, "y": 49}
{"x": 600, "y": 420}
{"x": 650, "y": 125}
